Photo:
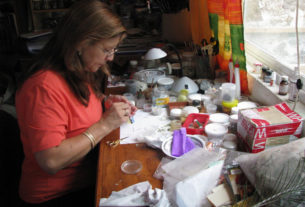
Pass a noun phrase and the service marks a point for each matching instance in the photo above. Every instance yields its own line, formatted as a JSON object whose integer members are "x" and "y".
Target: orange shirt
{"x": 48, "y": 113}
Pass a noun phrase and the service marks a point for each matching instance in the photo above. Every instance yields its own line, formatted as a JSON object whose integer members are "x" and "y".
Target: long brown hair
{"x": 86, "y": 20}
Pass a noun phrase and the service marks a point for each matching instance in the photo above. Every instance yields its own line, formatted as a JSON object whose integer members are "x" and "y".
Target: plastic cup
{"x": 211, "y": 108}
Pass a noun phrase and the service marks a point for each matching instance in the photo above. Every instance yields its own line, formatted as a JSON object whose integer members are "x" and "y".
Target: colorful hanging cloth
{"x": 227, "y": 28}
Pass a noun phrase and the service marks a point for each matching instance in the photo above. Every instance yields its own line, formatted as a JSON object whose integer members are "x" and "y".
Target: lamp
{"x": 154, "y": 54}
{"x": 157, "y": 53}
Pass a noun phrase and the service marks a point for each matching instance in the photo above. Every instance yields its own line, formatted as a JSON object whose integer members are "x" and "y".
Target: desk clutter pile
{"x": 220, "y": 150}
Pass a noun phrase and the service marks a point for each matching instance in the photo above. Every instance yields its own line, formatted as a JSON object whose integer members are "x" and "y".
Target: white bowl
{"x": 220, "y": 118}
{"x": 189, "y": 110}
{"x": 215, "y": 130}
{"x": 194, "y": 97}
{"x": 166, "y": 145}
{"x": 180, "y": 84}
{"x": 175, "y": 113}
{"x": 246, "y": 105}
{"x": 149, "y": 75}
{"x": 165, "y": 83}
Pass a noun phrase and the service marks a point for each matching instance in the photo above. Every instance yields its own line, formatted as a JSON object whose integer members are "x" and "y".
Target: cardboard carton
{"x": 265, "y": 127}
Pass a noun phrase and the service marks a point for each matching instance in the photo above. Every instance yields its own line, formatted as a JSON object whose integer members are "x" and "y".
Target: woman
{"x": 59, "y": 107}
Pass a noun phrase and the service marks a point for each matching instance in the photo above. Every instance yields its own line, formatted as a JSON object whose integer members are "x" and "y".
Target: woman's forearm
{"x": 71, "y": 150}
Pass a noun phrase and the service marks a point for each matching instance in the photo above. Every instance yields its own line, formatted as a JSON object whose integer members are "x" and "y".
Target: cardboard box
{"x": 265, "y": 127}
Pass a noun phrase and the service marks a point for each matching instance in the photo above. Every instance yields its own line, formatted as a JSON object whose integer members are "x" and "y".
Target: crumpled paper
{"x": 140, "y": 194}
{"x": 147, "y": 128}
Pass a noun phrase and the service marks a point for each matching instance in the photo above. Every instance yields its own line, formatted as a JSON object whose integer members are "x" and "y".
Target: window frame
{"x": 256, "y": 54}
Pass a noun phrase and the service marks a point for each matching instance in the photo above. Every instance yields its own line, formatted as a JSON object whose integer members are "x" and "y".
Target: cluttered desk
{"x": 209, "y": 161}
{"x": 198, "y": 142}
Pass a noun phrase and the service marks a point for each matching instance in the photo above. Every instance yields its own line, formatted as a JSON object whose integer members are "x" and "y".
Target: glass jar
{"x": 160, "y": 97}
{"x": 283, "y": 87}
{"x": 188, "y": 64}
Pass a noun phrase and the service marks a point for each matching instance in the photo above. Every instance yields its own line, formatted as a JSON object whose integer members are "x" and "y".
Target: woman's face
{"x": 96, "y": 55}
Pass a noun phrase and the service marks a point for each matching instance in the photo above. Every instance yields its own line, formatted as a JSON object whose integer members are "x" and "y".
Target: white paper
{"x": 146, "y": 128}
{"x": 140, "y": 194}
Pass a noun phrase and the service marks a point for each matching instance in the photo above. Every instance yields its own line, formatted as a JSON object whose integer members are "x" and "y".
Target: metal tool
{"x": 115, "y": 143}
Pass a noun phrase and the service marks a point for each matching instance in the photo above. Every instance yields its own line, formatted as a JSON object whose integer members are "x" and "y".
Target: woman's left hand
{"x": 117, "y": 98}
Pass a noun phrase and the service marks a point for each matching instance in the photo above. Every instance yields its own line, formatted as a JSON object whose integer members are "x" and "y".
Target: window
{"x": 270, "y": 34}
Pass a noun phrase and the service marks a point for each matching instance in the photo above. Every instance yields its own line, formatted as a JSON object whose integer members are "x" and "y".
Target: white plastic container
{"x": 215, "y": 130}
{"x": 228, "y": 92}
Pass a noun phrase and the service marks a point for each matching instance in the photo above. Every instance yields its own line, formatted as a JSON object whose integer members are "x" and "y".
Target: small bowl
{"x": 175, "y": 113}
{"x": 215, "y": 130}
{"x": 194, "y": 97}
{"x": 165, "y": 83}
{"x": 246, "y": 105}
{"x": 166, "y": 145}
{"x": 131, "y": 166}
{"x": 189, "y": 110}
{"x": 220, "y": 118}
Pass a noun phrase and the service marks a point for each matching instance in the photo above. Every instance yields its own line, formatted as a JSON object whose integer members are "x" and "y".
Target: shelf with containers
{"x": 45, "y": 14}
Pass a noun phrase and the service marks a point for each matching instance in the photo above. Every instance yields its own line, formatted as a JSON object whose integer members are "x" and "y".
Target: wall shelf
{"x": 49, "y": 10}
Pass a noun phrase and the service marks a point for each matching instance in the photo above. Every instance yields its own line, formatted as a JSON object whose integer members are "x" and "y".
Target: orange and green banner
{"x": 227, "y": 27}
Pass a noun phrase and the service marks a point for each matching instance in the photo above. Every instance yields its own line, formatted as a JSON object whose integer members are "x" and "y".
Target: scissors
{"x": 115, "y": 143}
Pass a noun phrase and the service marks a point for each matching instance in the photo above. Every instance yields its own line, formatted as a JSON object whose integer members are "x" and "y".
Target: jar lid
{"x": 194, "y": 96}
{"x": 234, "y": 118}
{"x": 175, "y": 112}
{"x": 219, "y": 118}
{"x": 189, "y": 110}
{"x": 230, "y": 104}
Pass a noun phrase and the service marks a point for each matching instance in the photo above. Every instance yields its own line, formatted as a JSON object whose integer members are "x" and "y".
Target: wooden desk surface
{"x": 109, "y": 175}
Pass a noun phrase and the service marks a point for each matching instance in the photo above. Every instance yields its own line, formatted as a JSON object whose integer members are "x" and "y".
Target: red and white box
{"x": 264, "y": 127}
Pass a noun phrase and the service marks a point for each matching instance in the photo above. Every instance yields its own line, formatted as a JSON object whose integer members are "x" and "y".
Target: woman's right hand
{"x": 116, "y": 115}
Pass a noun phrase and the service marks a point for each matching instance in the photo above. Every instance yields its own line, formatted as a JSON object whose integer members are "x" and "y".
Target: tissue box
{"x": 265, "y": 127}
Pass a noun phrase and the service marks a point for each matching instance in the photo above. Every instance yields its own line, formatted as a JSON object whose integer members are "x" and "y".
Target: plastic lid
{"x": 131, "y": 166}
{"x": 219, "y": 118}
{"x": 215, "y": 130}
{"x": 230, "y": 104}
{"x": 234, "y": 118}
{"x": 175, "y": 112}
{"x": 194, "y": 96}
{"x": 189, "y": 110}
